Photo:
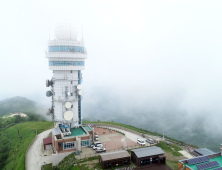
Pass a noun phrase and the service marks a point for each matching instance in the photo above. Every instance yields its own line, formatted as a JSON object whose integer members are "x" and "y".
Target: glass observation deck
{"x": 66, "y": 63}
{"x": 66, "y": 49}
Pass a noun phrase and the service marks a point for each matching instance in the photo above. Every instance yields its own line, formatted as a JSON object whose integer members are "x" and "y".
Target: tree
{"x": 17, "y": 118}
{"x": 33, "y": 117}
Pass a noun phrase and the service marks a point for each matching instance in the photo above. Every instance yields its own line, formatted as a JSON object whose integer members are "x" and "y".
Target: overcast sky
{"x": 161, "y": 50}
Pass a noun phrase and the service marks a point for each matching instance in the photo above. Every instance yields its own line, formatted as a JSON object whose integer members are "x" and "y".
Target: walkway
{"x": 36, "y": 155}
{"x": 186, "y": 154}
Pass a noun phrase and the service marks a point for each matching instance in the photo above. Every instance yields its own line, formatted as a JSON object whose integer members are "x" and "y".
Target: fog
{"x": 148, "y": 61}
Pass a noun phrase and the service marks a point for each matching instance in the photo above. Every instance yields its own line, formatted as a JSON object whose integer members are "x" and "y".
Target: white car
{"x": 98, "y": 142}
{"x": 151, "y": 141}
{"x": 100, "y": 150}
{"x": 139, "y": 140}
{"x": 97, "y": 146}
{"x": 141, "y": 143}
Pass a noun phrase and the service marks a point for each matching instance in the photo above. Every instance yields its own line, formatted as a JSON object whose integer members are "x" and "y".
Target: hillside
{"x": 14, "y": 130}
{"x": 18, "y": 136}
{"x": 17, "y": 104}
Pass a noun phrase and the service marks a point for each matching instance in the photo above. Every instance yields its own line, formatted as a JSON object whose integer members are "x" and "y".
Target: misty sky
{"x": 155, "y": 53}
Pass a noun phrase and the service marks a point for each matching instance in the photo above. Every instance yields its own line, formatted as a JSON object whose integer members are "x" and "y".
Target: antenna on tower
{"x": 70, "y": 31}
{"x": 49, "y": 30}
{"x": 82, "y": 32}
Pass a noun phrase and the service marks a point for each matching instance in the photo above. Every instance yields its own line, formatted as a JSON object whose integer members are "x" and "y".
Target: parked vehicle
{"x": 141, "y": 143}
{"x": 98, "y": 142}
{"x": 100, "y": 150}
{"x": 96, "y": 137}
{"x": 139, "y": 140}
{"x": 97, "y": 146}
{"x": 151, "y": 141}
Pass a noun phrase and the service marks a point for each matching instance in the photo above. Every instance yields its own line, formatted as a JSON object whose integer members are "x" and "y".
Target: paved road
{"x": 36, "y": 154}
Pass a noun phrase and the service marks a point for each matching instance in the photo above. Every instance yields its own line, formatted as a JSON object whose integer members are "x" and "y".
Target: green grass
{"x": 28, "y": 132}
{"x": 172, "y": 164}
{"x": 173, "y": 149}
{"x": 47, "y": 167}
{"x": 65, "y": 163}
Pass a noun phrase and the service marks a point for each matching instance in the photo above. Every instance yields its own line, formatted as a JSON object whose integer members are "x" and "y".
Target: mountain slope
{"x": 17, "y": 104}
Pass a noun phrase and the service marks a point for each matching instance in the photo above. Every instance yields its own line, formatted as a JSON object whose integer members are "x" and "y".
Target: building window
{"x": 66, "y": 49}
{"x": 85, "y": 143}
{"x": 66, "y": 63}
{"x": 68, "y": 145}
{"x": 71, "y": 82}
{"x": 71, "y": 94}
{"x": 145, "y": 162}
{"x": 71, "y": 71}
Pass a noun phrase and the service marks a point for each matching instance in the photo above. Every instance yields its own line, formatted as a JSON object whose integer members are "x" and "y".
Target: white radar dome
{"x": 65, "y": 31}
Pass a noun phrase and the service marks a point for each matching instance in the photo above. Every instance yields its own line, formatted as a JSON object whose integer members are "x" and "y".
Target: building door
{"x": 145, "y": 162}
{"x": 162, "y": 160}
{"x": 155, "y": 160}
{"x": 109, "y": 165}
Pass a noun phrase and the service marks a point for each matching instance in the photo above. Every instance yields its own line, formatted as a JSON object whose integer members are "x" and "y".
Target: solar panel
{"x": 198, "y": 160}
{"x": 207, "y": 165}
{"x": 218, "y": 168}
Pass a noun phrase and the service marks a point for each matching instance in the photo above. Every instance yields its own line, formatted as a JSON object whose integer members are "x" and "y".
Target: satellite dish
{"x": 79, "y": 87}
{"x": 68, "y": 93}
{"x": 48, "y": 93}
{"x": 80, "y": 92}
{"x": 48, "y": 111}
{"x": 49, "y": 83}
{"x": 68, "y": 115}
{"x": 81, "y": 98}
{"x": 68, "y": 105}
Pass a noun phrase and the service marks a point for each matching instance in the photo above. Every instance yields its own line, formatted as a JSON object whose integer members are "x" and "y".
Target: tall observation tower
{"x": 66, "y": 58}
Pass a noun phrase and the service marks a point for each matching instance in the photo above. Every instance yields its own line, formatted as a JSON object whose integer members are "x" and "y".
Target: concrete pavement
{"x": 36, "y": 154}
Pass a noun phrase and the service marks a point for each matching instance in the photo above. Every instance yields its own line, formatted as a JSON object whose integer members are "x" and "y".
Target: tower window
{"x": 71, "y": 71}
{"x": 71, "y": 82}
{"x": 71, "y": 94}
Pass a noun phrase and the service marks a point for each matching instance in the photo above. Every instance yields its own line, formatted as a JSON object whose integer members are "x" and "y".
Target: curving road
{"x": 36, "y": 154}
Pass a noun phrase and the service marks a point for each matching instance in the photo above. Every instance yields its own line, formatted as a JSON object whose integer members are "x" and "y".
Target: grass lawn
{"x": 28, "y": 131}
{"x": 172, "y": 164}
{"x": 170, "y": 149}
